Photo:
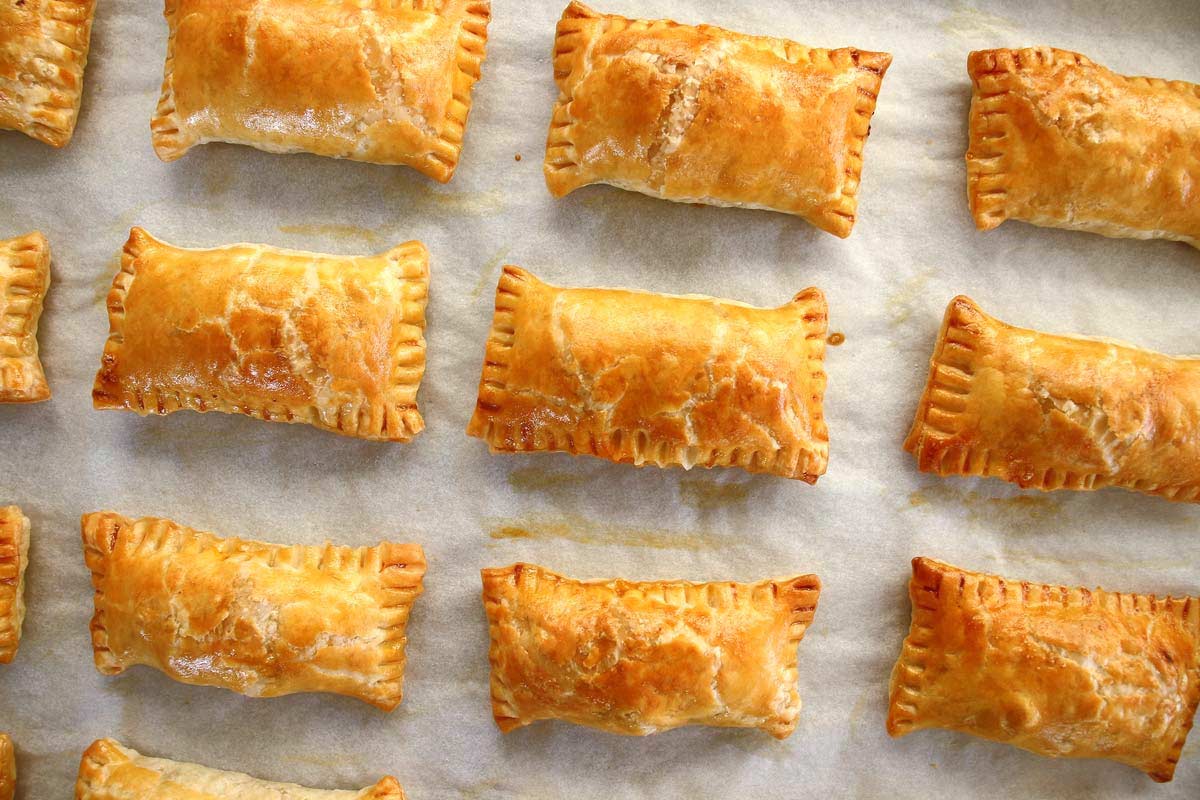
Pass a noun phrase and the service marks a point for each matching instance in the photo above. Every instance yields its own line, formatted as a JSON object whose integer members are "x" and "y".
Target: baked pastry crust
{"x": 261, "y": 619}
{"x": 1054, "y": 670}
{"x": 1059, "y": 141}
{"x": 24, "y": 281}
{"x": 286, "y": 336}
{"x": 8, "y": 768}
{"x": 385, "y": 81}
{"x": 14, "y": 558}
{"x": 1057, "y": 412}
{"x": 640, "y": 658}
{"x": 705, "y": 115}
{"x": 43, "y": 52}
{"x": 110, "y": 771}
{"x": 656, "y": 379}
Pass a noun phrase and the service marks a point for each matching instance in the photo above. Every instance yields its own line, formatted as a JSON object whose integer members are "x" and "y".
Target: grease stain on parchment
{"x": 969, "y": 23}
{"x": 536, "y": 479}
{"x": 707, "y": 495}
{"x": 102, "y": 282}
{"x": 902, "y": 303}
{"x": 486, "y": 273}
{"x": 1022, "y": 513}
{"x": 836, "y": 339}
{"x": 352, "y": 233}
{"x": 575, "y": 528}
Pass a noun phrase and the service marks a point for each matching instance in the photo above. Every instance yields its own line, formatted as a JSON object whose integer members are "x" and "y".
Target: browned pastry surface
{"x": 1055, "y": 670}
{"x": 386, "y": 81}
{"x": 705, "y": 115}
{"x": 14, "y": 558}
{"x": 8, "y": 768}
{"x": 333, "y": 341}
{"x": 260, "y": 619}
{"x": 43, "y": 52}
{"x": 655, "y": 379}
{"x": 1057, "y": 412}
{"x": 1060, "y": 141}
{"x": 639, "y": 658}
{"x": 24, "y": 281}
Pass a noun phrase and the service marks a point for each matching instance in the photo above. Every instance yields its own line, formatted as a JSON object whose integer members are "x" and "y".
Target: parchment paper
{"x": 914, "y": 248}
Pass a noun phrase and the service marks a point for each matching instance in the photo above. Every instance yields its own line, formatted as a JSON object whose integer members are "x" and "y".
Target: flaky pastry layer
{"x": 1054, "y": 670}
{"x": 640, "y": 658}
{"x": 8, "y": 768}
{"x": 333, "y": 341}
{"x": 260, "y": 619}
{"x": 14, "y": 558}
{"x": 1057, "y": 412}
{"x": 24, "y": 281}
{"x": 43, "y": 51}
{"x": 655, "y": 379}
{"x": 384, "y": 81}
{"x": 109, "y": 771}
{"x": 706, "y": 115}
{"x": 1060, "y": 141}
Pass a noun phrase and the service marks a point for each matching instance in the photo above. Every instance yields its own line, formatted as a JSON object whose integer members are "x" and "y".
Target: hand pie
{"x": 43, "y": 51}
{"x": 1057, "y": 412}
{"x": 333, "y": 341}
{"x": 14, "y": 558}
{"x": 706, "y": 115}
{"x": 1059, "y": 141}
{"x": 1053, "y": 670}
{"x": 8, "y": 768}
{"x": 109, "y": 771}
{"x": 260, "y": 619}
{"x": 655, "y": 379}
{"x": 374, "y": 80}
{"x": 640, "y": 658}
{"x": 24, "y": 280}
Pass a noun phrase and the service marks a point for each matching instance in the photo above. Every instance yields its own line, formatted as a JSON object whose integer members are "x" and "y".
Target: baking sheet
{"x": 912, "y": 250}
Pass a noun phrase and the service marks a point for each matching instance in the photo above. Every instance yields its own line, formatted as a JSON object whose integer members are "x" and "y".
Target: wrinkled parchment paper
{"x": 912, "y": 250}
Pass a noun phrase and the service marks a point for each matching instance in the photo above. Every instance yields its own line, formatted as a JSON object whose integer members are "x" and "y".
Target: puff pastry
{"x": 640, "y": 658}
{"x": 1057, "y": 412}
{"x": 333, "y": 341}
{"x": 706, "y": 115}
{"x": 109, "y": 771}
{"x": 1059, "y": 141}
{"x": 1054, "y": 670}
{"x": 655, "y": 379}
{"x": 24, "y": 280}
{"x": 43, "y": 51}
{"x": 14, "y": 558}
{"x": 260, "y": 619}
{"x": 385, "y": 81}
{"x": 8, "y": 768}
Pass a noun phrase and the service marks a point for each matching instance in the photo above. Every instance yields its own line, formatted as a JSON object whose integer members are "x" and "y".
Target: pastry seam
{"x": 22, "y": 378}
{"x": 469, "y": 55}
{"x": 14, "y": 558}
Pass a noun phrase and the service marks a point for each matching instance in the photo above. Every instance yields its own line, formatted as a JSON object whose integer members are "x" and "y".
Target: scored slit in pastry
{"x": 384, "y": 81}
{"x": 8, "y": 768}
{"x": 1059, "y": 141}
{"x": 260, "y": 619}
{"x": 699, "y": 114}
{"x": 640, "y": 658}
{"x": 43, "y": 52}
{"x": 1047, "y": 412}
{"x": 646, "y": 378}
{"x": 1058, "y": 671}
{"x": 14, "y": 558}
{"x": 111, "y": 771}
{"x": 24, "y": 281}
{"x": 282, "y": 335}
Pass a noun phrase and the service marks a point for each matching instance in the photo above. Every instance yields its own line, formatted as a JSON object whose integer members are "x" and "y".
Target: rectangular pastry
{"x": 261, "y": 619}
{"x": 705, "y": 115}
{"x": 1059, "y": 141}
{"x": 110, "y": 771}
{"x": 640, "y": 658}
{"x": 8, "y": 768}
{"x": 24, "y": 281}
{"x": 1057, "y": 412}
{"x": 374, "y": 80}
{"x": 656, "y": 379}
{"x": 43, "y": 51}
{"x": 1054, "y": 670}
{"x": 14, "y": 558}
{"x": 285, "y": 336}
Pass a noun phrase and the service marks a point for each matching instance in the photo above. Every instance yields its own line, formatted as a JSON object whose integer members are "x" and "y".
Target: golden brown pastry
{"x": 655, "y": 379}
{"x": 1057, "y": 412}
{"x": 385, "y": 81}
{"x": 1059, "y": 141}
{"x": 285, "y": 336}
{"x": 8, "y": 768}
{"x": 706, "y": 115}
{"x": 260, "y": 619}
{"x": 1054, "y": 670}
{"x": 14, "y": 558}
{"x": 43, "y": 51}
{"x": 24, "y": 281}
{"x": 109, "y": 771}
{"x": 640, "y": 658}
